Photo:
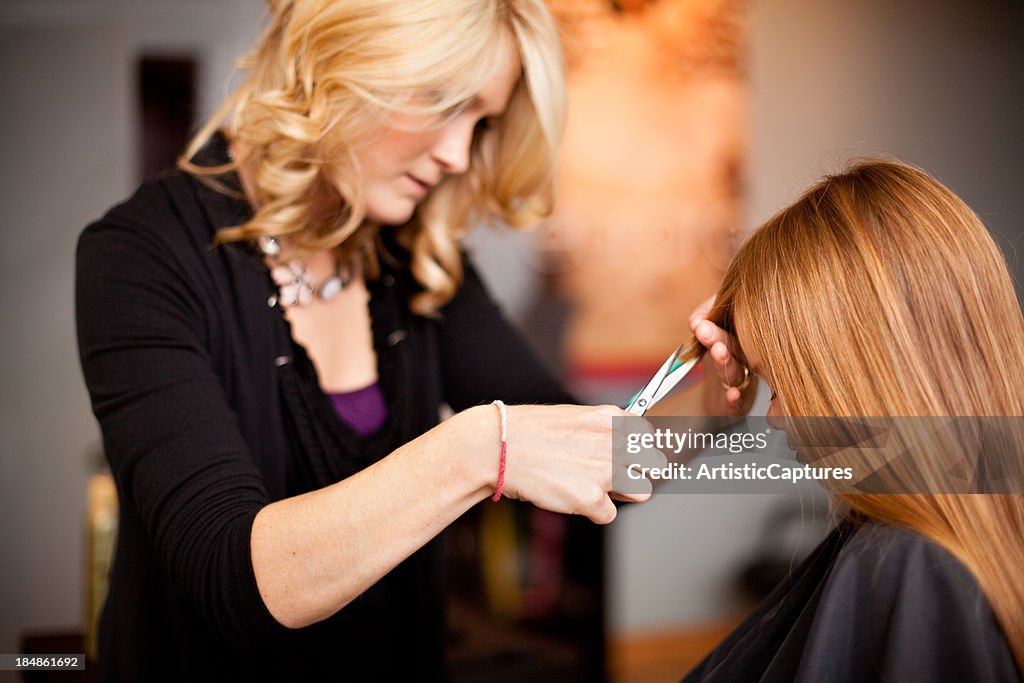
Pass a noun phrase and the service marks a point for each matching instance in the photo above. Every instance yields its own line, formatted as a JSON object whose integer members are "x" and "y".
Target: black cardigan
{"x": 209, "y": 411}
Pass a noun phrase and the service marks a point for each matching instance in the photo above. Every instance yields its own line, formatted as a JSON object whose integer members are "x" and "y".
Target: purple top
{"x": 363, "y": 409}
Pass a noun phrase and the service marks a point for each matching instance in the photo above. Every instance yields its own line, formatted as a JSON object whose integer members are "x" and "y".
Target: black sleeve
{"x": 483, "y": 357}
{"x": 172, "y": 440}
{"x": 897, "y": 607}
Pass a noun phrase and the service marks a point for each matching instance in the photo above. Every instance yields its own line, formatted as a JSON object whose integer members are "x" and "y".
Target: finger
{"x": 651, "y": 458}
{"x": 629, "y": 478}
{"x": 701, "y": 312}
{"x": 609, "y": 410}
{"x": 733, "y": 398}
{"x": 620, "y": 441}
{"x": 709, "y": 334}
{"x": 628, "y": 445}
{"x": 628, "y": 481}
{"x": 730, "y": 370}
{"x": 631, "y": 497}
{"x": 604, "y": 513}
{"x": 623, "y": 430}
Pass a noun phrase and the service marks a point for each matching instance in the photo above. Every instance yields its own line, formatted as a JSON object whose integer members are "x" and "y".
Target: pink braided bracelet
{"x": 504, "y": 450}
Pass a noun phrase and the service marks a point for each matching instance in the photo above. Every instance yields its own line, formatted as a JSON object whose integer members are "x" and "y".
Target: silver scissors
{"x": 673, "y": 370}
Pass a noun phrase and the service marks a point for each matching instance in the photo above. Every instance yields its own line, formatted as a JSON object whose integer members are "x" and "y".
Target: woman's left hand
{"x": 730, "y": 387}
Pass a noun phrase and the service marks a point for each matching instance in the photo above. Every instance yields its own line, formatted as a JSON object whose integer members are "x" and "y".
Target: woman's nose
{"x": 452, "y": 148}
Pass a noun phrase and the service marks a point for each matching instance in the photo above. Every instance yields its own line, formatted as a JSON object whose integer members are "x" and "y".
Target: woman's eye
{"x": 451, "y": 112}
{"x": 483, "y": 124}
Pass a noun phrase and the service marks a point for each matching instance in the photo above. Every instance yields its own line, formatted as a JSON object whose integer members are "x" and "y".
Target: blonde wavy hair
{"x": 880, "y": 293}
{"x": 324, "y": 80}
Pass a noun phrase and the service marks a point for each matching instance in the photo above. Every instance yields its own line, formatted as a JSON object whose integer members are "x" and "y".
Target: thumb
{"x": 605, "y": 512}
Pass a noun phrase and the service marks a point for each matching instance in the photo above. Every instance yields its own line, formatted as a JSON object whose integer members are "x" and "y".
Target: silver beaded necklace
{"x": 295, "y": 286}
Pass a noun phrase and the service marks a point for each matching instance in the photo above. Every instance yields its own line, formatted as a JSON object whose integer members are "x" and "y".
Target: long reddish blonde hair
{"x": 880, "y": 293}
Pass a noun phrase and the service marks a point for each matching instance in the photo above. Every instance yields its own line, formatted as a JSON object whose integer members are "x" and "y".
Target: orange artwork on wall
{"x": 651, "y": 180}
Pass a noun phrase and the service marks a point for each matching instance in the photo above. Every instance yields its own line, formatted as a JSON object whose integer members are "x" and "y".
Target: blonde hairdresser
{"x": 308, "y": 103}
{"x": 294, "y": 307}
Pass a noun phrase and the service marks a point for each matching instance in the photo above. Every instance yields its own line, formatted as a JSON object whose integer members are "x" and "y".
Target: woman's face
{"x": 413, "y": 154}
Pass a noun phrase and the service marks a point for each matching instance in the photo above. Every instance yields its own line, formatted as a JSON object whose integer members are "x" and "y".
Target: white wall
{"x": 939, "y": 84}
{"x": 64, "y": 160}
{"x": 67, "y": 132}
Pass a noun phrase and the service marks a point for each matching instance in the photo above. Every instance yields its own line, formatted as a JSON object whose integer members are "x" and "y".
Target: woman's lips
{"x": 421, "y": 187}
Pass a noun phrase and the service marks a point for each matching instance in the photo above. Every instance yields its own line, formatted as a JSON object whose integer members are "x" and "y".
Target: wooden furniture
{"x": 660, "y": 656}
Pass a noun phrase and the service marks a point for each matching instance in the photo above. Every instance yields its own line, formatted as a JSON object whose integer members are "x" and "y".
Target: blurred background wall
{"x": 937, "y": 83}
{"x": 68, "y": 130}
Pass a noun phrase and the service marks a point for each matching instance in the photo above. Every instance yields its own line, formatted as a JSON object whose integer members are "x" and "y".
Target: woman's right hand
{"x": 560, "y": 458}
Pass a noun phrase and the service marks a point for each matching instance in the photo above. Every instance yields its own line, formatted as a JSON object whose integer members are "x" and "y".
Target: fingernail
{"x": 704, "y": 331}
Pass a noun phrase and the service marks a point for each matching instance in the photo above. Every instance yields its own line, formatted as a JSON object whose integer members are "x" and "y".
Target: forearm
{"x": 313, "y": 554}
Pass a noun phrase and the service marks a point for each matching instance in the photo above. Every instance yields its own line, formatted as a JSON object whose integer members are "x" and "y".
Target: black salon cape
{"x": 872, "y": 603}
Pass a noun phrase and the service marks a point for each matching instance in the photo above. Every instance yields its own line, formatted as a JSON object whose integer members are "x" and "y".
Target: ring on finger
{"x": 742, "y": 385}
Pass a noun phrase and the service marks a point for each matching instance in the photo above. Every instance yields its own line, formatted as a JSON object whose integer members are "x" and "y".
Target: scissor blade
{"x": 645, "y": 399}
{"x": 674, "y": 378}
